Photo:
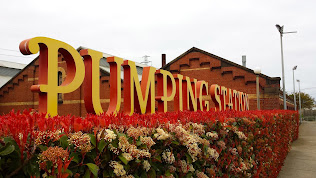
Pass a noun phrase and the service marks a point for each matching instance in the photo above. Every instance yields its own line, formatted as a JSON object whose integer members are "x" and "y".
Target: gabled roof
{"x": 194, "y": 49}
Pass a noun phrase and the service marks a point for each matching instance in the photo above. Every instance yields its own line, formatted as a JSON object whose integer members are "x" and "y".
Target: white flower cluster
{"x": 127, "y": 156}
{"x": 198, "y": 129}
{"x": 189, "y": 140}
{"x": 168, "y": 157}
{"x": 241, "y": 168}
{"x": 138, "y": 132}
{"x": 221, "y": 144}
{"x": 118, "y": 168}
{"x": 148, "y": 141}
{"x": 241, "y": 135}
{"x": 125, "y": 146}
{"x": 146, "y": 165}
{"x": 200, "y": 174}
{"x": 185, "y": 168}
{"x": 213, "y": 135}
{"x": 212, "y": 153}
{"x": 106, "y": 134}
{"x": 114, "y": 150}
{"x": 233, "y": 151}
{"x": 43, "y": 137}
{"x": 81, "y": 141}
{"x": 161, "y": 134}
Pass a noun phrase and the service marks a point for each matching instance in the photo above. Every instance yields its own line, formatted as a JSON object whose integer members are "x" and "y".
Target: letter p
{"x": 48, "y": 70}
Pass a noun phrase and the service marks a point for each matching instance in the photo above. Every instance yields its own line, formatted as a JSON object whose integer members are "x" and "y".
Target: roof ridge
{"x": 195, "y": 49}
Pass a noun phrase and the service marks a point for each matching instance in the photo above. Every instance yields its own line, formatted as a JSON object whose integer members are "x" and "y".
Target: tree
{"x": 307, "y": 101}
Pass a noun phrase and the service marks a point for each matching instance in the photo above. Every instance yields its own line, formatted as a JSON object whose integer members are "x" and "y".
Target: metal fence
{"x": 308, "y": 115}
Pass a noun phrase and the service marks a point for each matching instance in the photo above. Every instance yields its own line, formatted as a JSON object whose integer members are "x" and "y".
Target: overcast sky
{"x": 131, "y": 29}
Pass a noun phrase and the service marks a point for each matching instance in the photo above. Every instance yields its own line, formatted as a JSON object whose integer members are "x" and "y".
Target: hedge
{"x": 174, "y": 144}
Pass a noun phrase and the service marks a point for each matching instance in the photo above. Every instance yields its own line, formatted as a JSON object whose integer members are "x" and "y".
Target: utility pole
{"x": 280, "y": 29}
{"x": 146, "y": 61}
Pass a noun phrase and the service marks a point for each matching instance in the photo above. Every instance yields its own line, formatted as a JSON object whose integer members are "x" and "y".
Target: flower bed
{"x": 183, "y": 144}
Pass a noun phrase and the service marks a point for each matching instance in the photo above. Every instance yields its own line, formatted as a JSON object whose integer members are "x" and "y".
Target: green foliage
{"x": 307, "y": 101}
{"x": 93, "y": 168}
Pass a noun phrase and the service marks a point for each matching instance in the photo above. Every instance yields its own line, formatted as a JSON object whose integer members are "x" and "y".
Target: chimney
{"x": 163, "y": 60}
{"x": 244, "y": 60}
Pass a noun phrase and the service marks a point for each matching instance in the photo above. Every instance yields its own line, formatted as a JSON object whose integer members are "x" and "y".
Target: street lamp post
{"x": 294, "y": 68}
{"x": 299, "y": 98}
{"x": 280, "y": 28}
{"x": 257, "y": 71}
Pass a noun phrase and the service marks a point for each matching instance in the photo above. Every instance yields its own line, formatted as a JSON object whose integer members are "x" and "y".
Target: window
{"x": 60, "y": 81}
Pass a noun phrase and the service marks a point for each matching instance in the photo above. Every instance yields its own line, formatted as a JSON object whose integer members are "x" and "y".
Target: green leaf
{"x": 175, "y": 142}
{"x": 138, "y": 143}
{"x": 101, "y": 145}
{"x": 9, "y": 148}
{"x": 189, "y": 159}
{"x": 75, "y": 157}
{"x": 42, "y": 147}
{"x": 10, "y": 140}
{"x": 115, "y": 143}
{"x": 189, "y": 175}
{"x": 106, "y": 173}
{"x": 121, "y": 134}
{"x": 93, "y": 168}
{"x": 158, "y": 158}
{"x": 123, "y": 159}
{"x": 143, "y": 175}
{"x": 127, "y": 167}
{"x": 152, "y": 173}
{"x": 167, "y": 173}
{"x": 64, "y": 141}
{"x": 87, "y": 174}
{"x": 92, "y": 139}
{"x": 69, "y": 172}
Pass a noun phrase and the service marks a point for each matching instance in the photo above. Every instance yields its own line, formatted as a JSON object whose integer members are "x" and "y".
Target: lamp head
{"x": 295, "y": 67}
{"x": 257, "y": 70}
{"x": 280, "y": 28}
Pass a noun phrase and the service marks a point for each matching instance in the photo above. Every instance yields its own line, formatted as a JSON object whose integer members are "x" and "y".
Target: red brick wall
{"x": 214, "y": 71}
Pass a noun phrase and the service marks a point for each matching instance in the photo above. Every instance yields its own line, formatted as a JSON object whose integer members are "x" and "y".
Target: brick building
{"x": 195, "y": 63}
{"x": 213, "y": 69}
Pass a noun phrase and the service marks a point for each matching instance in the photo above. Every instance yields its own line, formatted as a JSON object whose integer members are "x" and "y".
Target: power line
{"x": 308, "y": 88}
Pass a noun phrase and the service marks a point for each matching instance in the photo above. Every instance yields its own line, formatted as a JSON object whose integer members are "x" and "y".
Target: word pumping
{"x": 139, "y": 96}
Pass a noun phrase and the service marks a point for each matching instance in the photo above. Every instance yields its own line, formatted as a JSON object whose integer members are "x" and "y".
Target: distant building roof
{"x": 105, "y": 66}
{"x": 12, "y": 65}
{"x": 9, "y": 70}
{"x": 4, "y": 80}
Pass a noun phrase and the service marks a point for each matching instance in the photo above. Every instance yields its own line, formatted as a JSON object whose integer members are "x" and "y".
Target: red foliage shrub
{"x": 250, "y": 143}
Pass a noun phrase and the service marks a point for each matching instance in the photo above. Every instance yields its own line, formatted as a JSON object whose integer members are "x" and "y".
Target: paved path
{"x": 301, "y": 161}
